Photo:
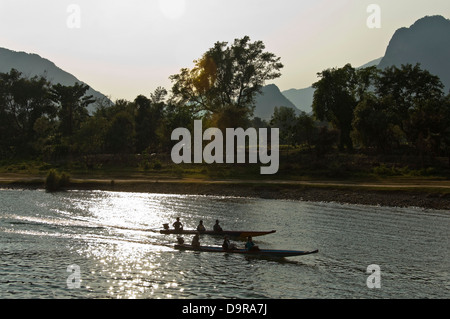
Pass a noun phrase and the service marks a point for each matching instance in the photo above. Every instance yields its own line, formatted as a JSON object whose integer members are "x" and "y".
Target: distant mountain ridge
{"x": 303, "y": 98}
{"x": 31, "y": 64}
{"x": 270, "y": 98}
{"x": 427, "y": 42}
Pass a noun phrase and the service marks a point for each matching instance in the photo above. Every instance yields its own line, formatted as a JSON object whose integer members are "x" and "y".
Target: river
{"x": 99, "y": 244}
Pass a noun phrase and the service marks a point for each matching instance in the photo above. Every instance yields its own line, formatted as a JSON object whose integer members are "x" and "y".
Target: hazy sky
{"x": 124, "y": 48}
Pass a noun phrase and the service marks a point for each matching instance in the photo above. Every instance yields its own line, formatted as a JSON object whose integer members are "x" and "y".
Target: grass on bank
{"x": 295, "y": 165}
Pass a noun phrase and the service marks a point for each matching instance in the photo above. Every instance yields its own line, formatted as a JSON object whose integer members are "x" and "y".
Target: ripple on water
{"x": 112, "y": 237}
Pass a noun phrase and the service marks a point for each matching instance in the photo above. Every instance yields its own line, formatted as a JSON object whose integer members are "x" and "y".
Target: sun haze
{"x": 126, "y": 48}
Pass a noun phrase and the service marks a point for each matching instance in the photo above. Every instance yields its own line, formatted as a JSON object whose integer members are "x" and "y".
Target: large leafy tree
{"x": 226, "y": 76}
{"x": 406, "y": 106}
{"x": 286, "y": 120}
{"x": 148, "y": 118}
{"x": 428, "y": 126}
{"x": 407, "y": 87}
{"x": 337, "y": 94}
{"x": 305, "y": 129}
{"x": 73, "y": 103}
{"x": 373, "y": 125}
{"x": 23, "y": 103}
{"x": 445, "y": 141}
{"x": 120, "y": 137}
{"x": 335, "y": 100}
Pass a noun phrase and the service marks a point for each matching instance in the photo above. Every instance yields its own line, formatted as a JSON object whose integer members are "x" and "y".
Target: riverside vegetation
{"x": 367, "y": 124}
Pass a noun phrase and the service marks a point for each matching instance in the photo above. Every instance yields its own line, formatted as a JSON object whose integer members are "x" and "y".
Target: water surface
{"x": 112, "y": 237}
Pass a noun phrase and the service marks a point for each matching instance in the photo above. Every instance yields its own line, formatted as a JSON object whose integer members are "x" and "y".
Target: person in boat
{"x": 196, "y": 240}
{"x": 178, "y": 225}
{"x": 250, "y": 245}
{"x": 180, "y": 240}
{"x": 201, "y": 227}
{"x": 217, "y": 227}
{"x": 227, "y": 245}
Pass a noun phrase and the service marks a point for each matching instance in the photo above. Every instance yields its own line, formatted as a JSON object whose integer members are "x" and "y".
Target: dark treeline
{"x": 52, "y": 122}
{"x": 392, "y": 111}
{"x": 397, "y": 110}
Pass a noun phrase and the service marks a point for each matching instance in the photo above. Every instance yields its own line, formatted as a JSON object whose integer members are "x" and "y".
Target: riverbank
{"x": 425, "y": 194}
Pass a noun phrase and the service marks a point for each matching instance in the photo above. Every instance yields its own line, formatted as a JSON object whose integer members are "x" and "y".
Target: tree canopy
{"x": 226, "y": 75}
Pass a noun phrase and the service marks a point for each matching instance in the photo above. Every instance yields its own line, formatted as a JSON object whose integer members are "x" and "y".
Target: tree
{"x": 406, "y": 87}
{"x": 305, "y": 129}
{"x": 90, "y": 138}
{"x": 159, "y": 95}
{"x": 23, "y": 101}
{"x": 258, "y": 123}
{"x": 120, "y": 137}
{"x": 337, "y": 94}
{"x": 229, "y": 116}
{"x": 445, "y": 142}
{"x": 334, "y": 100}
{"x": 148, "y": 119}
{"x": 226, "y": 75}
{"x": 324, "y": 141}
{"x": 73, "y": 106}
{"x": 144, "y": 129}
{"x": 285, "y": 119}
{"x": 427, "y": 126}
{"x": 175, "y": 117}
{"x": 372, "y": 123}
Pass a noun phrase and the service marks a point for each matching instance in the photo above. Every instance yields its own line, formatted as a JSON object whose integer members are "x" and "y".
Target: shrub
{"x": 383, "y": 170}
{"x": 55, "y": 181}
{"x": 178, "y": 171}
{"x": 157, "y": 165}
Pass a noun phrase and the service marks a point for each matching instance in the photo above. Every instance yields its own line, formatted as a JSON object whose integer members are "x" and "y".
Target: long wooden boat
{"x": 261, "y": 252}
{"x": 231, "y": 233}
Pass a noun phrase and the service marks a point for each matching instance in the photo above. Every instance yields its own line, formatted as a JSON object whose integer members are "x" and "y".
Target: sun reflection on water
{"x": 131, "y": 269}
{"x": 131, "y": 258}
{"x": 113, "y": 238}
{"x": 135, "y": 260}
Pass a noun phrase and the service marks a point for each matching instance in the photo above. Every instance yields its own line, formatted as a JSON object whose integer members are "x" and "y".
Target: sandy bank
{"x": 432, "y": 195}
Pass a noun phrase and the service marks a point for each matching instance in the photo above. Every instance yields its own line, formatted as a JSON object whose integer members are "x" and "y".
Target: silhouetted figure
{"x": 227, "y": 245}
{"x": 178, "y": 225}
{"x": 196, "y": 240}
{"x": 250, "y": 245}
{"x": 217, "y": 227}
{"x": 200, "y": 226}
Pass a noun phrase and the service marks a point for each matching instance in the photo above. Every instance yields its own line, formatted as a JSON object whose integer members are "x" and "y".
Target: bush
{"x": 64, "y": 179}
{"x": 157, "y": 165}
{"x": 383, "y": 170}
{"x": 55, "y": 181}
{"x": 178, "y": 171}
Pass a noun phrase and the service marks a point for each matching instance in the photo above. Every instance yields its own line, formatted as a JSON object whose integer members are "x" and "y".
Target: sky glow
{"x": 126, "y": 48}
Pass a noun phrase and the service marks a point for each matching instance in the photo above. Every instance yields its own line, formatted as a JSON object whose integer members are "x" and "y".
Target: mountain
{"x": 375, "y": 62}
{"x": 270, "y": 98}
{"x": 427, "y": 42}
{"x": 32, "y": 64}
{"x": 302, "y": 98}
